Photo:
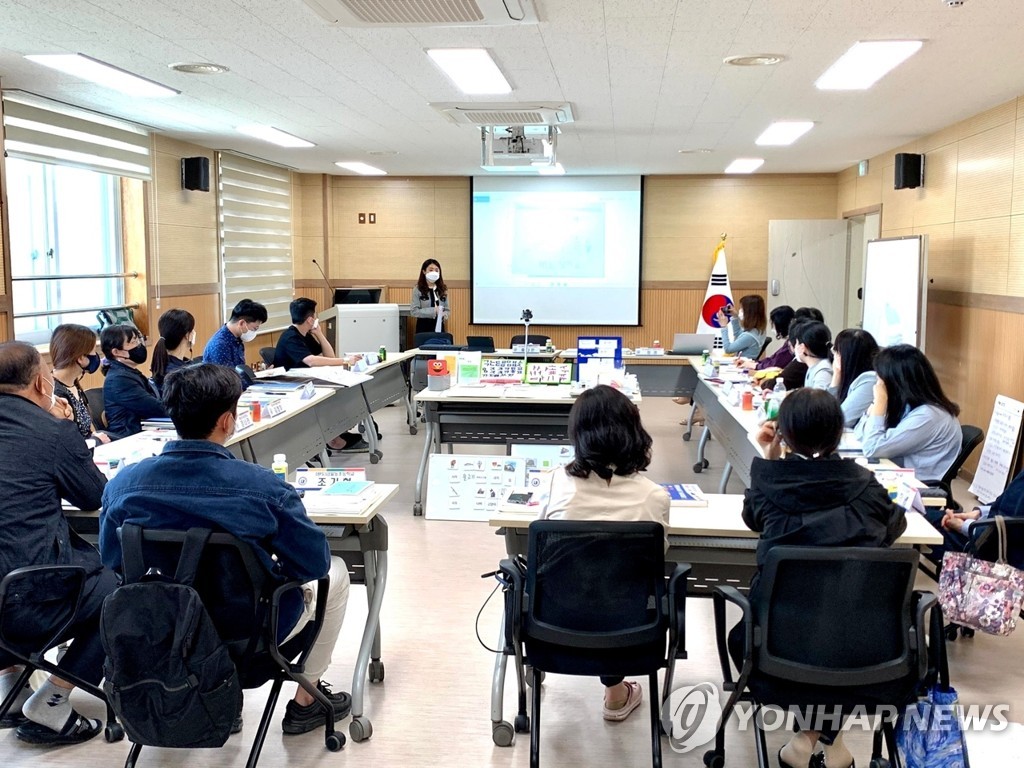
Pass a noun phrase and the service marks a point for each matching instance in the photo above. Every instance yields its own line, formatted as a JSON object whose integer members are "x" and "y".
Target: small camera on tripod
{"x": 527, "y": 316}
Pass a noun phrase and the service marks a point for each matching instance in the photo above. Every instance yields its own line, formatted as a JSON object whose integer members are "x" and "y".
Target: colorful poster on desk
{"x": 467, "y": 487}
{"x": 597, "y": 353}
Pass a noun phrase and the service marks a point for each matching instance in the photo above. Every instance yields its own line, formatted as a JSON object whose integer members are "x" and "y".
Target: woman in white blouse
{"x": 812, "y": 343}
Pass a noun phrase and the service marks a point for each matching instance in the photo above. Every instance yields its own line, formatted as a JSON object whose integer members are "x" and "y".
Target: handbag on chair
{"x": 981, "y": 594}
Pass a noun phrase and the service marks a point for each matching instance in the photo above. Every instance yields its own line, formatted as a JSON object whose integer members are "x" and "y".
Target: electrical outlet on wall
{"x": 362, "y": 218}
{"x": 373, "y": 218}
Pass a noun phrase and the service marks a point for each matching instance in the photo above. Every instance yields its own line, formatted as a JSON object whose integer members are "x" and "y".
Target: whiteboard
{"x": 895, "y": 290}
{"x": 471, "y": 487}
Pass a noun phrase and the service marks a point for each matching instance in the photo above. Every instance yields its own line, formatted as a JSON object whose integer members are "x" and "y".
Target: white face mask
{"x": 53, "y": 395}
{"x": 433, "y": 277}
{"x": 740, "y": 315}
{"x": 248, "y": 336}
{"x": 316, "y": 323}
{"x": 191, "y": 339}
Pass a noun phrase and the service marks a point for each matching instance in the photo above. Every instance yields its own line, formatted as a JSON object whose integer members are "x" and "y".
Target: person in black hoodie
{"x": 803, "y": 493}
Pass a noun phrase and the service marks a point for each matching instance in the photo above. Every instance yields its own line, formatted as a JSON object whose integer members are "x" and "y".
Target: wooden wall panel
{"x": 984, "y": 178}
{"x": 1017, "y": 204}
{"x": 5, "y": 329}
{"x": 205, "y": 308}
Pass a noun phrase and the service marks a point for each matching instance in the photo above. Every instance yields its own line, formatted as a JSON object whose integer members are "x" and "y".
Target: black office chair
{"x": 267, "y": 353}
{"x": 594, "y": 601}
{"x": 44, "y": 596}
{"x": 970, "y": 438}
{"x": 533, "y": 338}
{"x": 829, "y": 626}
{"x": 764, "y": 348}
{"x": 94, "y": 402}
{"x": 243, "y": 600}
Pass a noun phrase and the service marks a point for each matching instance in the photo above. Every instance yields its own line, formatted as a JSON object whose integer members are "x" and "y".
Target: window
{"x": 64, "y": 222}
{"x": 255, "y": 201}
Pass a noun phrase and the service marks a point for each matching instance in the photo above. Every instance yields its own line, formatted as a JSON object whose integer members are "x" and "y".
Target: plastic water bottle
{"x": 776, "y": 398}
{"x": 280, "y": 466}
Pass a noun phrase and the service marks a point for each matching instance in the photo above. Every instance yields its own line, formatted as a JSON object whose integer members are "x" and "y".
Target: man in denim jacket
{"x": 196, "y": 482}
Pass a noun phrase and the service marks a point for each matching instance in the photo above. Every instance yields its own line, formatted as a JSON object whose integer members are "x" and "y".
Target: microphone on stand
{"x": 330, "y": 288}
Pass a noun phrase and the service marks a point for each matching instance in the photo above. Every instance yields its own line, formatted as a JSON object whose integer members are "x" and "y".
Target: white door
{"x": 807, "y": 266}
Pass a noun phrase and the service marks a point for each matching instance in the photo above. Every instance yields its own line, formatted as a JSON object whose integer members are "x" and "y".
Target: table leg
{"x": 360, "y": 727}
{"x": 410, "y": 414}
{"x": 370, "y": 430}
{"x": 702, "y": 463}
{"x": 428, "y": 445}
{"x": 726, "y": 472}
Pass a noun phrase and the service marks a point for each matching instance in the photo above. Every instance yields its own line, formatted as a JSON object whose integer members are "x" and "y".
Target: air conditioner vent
{"x": 480, "y": 113}
{"x": 424, "y": 13}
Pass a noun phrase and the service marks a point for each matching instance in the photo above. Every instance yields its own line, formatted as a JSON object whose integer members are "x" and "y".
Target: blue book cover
{"x": 685, "y": 495}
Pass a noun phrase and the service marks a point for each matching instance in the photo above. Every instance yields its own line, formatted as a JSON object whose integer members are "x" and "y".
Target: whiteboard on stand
{"x": 896, "y": 290}
{"x": 999, "y": 454}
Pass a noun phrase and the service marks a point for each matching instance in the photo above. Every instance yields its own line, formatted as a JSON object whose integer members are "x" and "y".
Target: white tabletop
{"x": 482, "y": 393}
{"x": 321, "y": 512}
{"x": 722, "y": 517}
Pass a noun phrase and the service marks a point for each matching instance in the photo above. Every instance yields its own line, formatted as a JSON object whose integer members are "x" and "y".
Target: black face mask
{"x": 94, "y": 364}
{"x": 138, "y": 354}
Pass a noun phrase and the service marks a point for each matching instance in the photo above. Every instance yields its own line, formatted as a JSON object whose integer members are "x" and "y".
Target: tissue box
{"x": 439, "y": 383}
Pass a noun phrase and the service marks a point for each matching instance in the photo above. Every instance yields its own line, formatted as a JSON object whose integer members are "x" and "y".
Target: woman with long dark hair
{"x": 174, "y": 347}
{"x": 603, "y": 482}
{"x": 853, "y": 372}
{"x": 910, "y": 419}
{"x": 429, "y": 304}
{"x": 812, "y": 342}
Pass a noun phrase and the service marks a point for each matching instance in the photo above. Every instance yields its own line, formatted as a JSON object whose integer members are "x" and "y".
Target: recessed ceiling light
{"x": 382, "y": 152}
{"x": 471, "y": 69}
{"x": 107, "y": 75}
{"x": 866, "y": 63}
{"x": 755, "y": 60}
{"x": 698, "y": 151}
{"x": 274, "y": 136}
{"x": 199, "y": 68}
{"x": 362, "y": 169}
{"x": 784, "y": 132}
{"x": 745, "y": 165}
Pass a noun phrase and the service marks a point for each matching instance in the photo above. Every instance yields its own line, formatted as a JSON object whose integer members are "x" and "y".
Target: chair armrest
{"x": 931, "y": 652}
{"x": 677, "y": 611}
{"x": 721, "y": 595}
{"x": 323, "y": 586}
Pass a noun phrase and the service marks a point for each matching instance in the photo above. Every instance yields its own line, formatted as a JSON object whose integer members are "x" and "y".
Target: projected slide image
{"x": 559, "y": 242}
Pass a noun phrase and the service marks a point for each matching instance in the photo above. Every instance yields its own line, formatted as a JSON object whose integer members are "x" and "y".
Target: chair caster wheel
{"x": 698, "y": 467}
{"x": 878, "y": 762}
{"x": 705, "y": 463}
{"x": 375, "y": 456}
{"x": 966, "y": 632}
{"x": 335, "y": 742}
{"x": 687, "y": 435}
{"x": 413, "y": 429}
{"x": 113, "y": 732}
{"x": 360, "y": 729}
{"x": 417, "y": 509}
{"x": 950, "y": 632}
{"x": 502, "y": 734}
{"x": 714, "y": 759}
{"x": 522, "y": 723}
{"x": 376, "y": 671}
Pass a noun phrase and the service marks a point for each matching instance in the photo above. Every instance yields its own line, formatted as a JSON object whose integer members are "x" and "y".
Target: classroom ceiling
{"x": 645, "y": 78}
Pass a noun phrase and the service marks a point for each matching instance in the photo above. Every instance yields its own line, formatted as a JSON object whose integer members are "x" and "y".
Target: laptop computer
{"x": 691, "y": 343}
{"x": 480, "y": 343}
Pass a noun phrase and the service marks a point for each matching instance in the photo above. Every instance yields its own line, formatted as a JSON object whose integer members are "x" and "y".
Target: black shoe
{"x": 77, "y": 729}
{"x": 236, "y": 727}
{"x": 359, "y": 446}
{"x": 299, "y": 719}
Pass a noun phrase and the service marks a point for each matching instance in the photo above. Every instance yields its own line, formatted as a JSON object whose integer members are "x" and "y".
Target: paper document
{"x": 334, "y": 374}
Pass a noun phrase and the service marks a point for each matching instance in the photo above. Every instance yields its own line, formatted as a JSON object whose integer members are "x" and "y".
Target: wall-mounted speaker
{"x": 195, "y": 173}
{"x": 909, "y": 170}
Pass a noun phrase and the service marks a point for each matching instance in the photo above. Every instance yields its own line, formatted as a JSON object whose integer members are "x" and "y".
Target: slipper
{"x": 636, "y": 695}
{"x": 12, "y": 720}
{"x": 76, "y": 730}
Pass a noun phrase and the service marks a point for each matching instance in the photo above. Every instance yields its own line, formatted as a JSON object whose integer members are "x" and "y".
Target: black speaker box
{"x": 909, "y": 170}
{"x": 195, "y": 173}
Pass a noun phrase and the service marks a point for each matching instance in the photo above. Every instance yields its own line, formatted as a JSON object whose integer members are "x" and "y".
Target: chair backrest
{"x": 426, "y": 336}
{"x": 838, "y": 616}
{"x": 764, "y": 348}
{"x": 984, "y": 540}
{"x": 970, "y": 438}
{"x": 533, "y": 338}
{"x": 37, "y": 605}
{"x": 595, "y": 585}
{"x": 267, "y": 353}
{"x": 97, "y": 412}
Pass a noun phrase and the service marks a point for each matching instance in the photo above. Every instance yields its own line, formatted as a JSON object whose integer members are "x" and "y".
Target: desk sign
{"x": 502, "y": 370}
{"x": 242, "y": 420}
{"x": 272, "y": 409}
{"x": 549, "y": 373}
{"x": 317, "y": 479}
{"x": 308, "y": 390}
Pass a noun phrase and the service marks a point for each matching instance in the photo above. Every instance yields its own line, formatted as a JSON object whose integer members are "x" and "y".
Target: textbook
{"x": 352, "y": 489}
{"x": 685, "y": 495}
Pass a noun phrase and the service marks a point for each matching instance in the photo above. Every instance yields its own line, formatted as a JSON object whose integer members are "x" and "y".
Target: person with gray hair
{"x": 43, "y": 459}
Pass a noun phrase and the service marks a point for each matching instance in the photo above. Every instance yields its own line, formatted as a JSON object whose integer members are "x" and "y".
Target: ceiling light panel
{"x": 362, "y": 169}
{"x": 866, "y": 63}
{"x": 471, "y": 69}
{"x": 745, "y": 165}
{"x": 275, "y": 136}
{"x": 783, "y": 133}
{"x": 87, "y": 68}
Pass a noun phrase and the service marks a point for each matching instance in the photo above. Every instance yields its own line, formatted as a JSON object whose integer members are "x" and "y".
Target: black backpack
{"x": 168, "y": 674}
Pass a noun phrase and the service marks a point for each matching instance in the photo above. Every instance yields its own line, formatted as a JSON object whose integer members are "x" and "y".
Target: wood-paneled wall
{"x": 971, "y": 206}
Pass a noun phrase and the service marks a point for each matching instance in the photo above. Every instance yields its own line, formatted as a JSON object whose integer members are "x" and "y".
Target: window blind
{"x": 255, "y": 200}
{"x": 47, "y": 131}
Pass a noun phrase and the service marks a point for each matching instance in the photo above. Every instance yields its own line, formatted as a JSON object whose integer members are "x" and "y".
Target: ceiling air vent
{"x": 480, "y": 113}
{"x": 424, "y": 13}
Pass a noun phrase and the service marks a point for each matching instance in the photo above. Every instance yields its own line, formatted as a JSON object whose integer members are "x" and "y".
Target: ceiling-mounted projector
{"x": 504, "y": 146}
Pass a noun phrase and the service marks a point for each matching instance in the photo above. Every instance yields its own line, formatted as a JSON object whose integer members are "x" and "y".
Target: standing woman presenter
{"x": 429, "y": 304}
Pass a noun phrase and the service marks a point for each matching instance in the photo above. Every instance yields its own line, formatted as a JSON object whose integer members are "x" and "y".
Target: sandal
{"x": 76, "y": 730}
{"x": 633, "y": 699}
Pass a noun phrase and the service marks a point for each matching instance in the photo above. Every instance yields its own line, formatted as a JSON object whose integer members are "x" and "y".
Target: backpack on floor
{"x": 167, "y": 674}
